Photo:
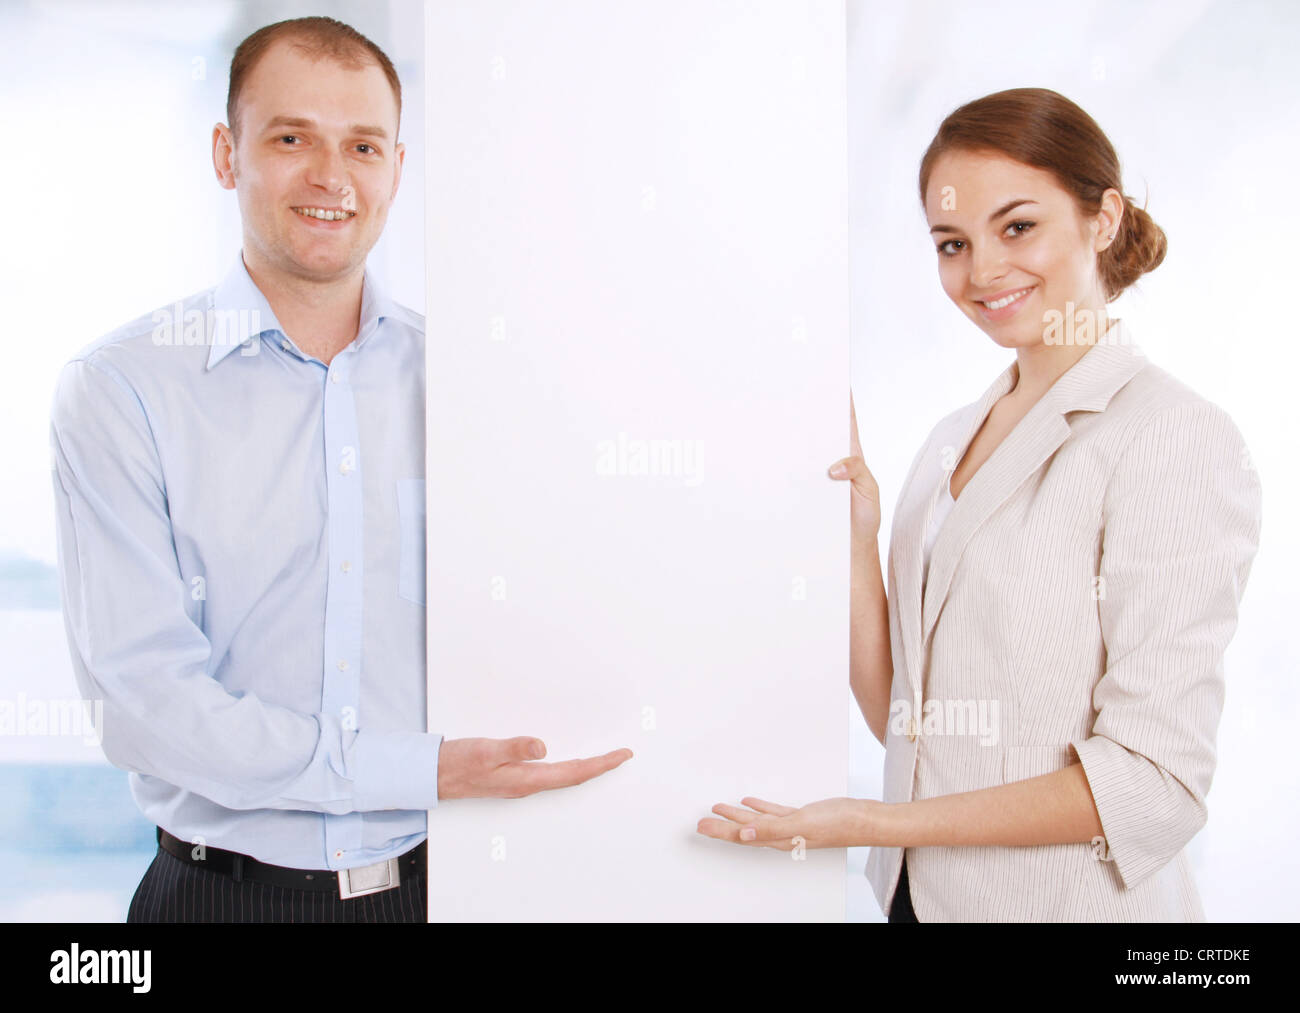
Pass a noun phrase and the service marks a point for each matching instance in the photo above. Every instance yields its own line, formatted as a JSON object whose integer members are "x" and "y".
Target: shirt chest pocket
{"x": 411, "y": 531}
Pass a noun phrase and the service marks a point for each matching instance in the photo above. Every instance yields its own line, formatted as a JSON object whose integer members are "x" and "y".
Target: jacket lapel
{"x": 1087, "y": 386}
{"x": 914, "y": 518}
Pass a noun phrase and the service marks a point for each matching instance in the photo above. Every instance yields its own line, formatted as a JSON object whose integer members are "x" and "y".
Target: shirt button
{"x": 343, "y": 664}
{"x": 334, "y": 378}
{"x": 344, "y": 468}
{"x": 284, "y": 345}
{"x": 345, "y": 566}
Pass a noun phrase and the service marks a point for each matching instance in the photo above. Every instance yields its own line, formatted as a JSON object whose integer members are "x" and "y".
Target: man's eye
{"x": 368, "y": 148}
{"x": 289, "y": 137}
{"x": 948, "y": 249}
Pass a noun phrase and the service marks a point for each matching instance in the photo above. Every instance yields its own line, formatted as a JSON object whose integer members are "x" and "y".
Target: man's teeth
{"x": 324, "y": 214}
{"x": 997, "y": 304}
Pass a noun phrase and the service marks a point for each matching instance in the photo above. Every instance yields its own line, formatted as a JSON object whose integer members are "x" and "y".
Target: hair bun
{"x": 1139, "y": 247}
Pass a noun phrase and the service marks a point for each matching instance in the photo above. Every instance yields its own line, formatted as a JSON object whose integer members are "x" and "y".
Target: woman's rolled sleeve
{"x": 1182, "y": 523}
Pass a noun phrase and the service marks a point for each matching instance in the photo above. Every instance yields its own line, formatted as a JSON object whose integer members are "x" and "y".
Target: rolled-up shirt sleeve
{"x": 136, "y": 648}
{"x": 1182, "y": 522}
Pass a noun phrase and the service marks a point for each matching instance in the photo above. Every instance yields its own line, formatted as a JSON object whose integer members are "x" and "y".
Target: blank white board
{"x": 637, "y": 376}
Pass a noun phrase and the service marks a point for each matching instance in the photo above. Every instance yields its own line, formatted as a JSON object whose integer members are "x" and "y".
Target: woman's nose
{"x": 987, "y": 265}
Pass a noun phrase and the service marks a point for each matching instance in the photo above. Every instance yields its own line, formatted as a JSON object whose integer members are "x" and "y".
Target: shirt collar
{"x": 242, "y": 314}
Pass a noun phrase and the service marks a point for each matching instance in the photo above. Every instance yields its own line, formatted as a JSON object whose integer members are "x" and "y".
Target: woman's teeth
{"x": 997, "y": 304}
{"x": 325, "y": 214}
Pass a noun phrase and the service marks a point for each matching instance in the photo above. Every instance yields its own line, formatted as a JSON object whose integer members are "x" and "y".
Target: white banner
{"x": 638, "y": 374}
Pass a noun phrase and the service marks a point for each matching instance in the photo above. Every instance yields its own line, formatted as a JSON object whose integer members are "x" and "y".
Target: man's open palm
{"x": 508, "y": 768}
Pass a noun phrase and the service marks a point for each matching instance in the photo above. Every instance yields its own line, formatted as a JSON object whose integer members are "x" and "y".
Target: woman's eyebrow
{"x": 1009, "y": 206}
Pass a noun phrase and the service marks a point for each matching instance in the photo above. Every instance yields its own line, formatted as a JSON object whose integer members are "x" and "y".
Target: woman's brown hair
{"x": 1043, "y": 129}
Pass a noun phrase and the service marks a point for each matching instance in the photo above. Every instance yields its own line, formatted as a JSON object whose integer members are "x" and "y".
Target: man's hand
{"x": 501, "y": 768}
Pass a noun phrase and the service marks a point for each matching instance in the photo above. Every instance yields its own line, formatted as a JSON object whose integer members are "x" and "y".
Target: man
{"x": 240, "y": 497}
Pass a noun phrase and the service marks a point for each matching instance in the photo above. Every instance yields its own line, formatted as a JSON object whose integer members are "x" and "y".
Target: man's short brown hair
{"x": 318, "y": 38}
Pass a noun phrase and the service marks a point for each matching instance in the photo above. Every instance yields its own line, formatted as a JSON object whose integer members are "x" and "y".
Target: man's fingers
{"x": 535, "y": 777}
{"x": 520, "y": 749}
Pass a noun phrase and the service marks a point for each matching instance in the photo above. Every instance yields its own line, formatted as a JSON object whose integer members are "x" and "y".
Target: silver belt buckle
{"x": 369, "y": 879}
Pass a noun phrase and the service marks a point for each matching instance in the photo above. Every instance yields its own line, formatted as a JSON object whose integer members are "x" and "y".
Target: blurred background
{"x": 1200, "y": 100}
{"x": 114, "y": 210}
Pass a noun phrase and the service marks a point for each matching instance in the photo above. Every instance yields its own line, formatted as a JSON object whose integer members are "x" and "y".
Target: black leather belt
{"x": 347, "y": 882}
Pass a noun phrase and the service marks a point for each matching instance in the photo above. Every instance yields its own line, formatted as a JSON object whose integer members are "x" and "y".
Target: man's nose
{"x": 329, "y": 171}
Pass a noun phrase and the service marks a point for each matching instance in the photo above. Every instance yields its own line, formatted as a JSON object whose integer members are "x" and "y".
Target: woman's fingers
{"x": 848, "y": 467}
{"x": 767, "y": 831}
{"x": 757, "y": 807}
{"x": 734, "y": 813}
{"x": 853, "y": 469}
{"x": 763, "y": 806}
{"x": 855, "y": 447}
{"x": 719, "y": 830}
{"x": 762, "y": 831}
{"x": 844, "y": 468}
{"x": 722, "y": 829}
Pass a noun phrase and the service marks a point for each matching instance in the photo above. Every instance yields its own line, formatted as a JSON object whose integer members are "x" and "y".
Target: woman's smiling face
{"x": 1012, "y": 245}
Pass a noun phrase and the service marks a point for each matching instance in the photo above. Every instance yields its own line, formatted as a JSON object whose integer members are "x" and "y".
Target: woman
{"x": 1067, "y": 557}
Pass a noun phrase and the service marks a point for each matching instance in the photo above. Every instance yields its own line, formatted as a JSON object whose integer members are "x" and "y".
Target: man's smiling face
{"x": 315, "y": 164}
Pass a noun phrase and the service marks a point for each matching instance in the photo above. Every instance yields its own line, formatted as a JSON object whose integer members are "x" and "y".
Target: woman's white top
{"x": 942, "y": 506}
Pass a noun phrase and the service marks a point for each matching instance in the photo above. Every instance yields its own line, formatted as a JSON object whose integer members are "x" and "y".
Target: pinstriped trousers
{"x": 176, "y": 891}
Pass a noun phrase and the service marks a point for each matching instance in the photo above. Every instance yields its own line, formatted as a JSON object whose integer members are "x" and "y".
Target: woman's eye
{"x": 1020, "y": 228}
{"x": 950, "y": 248}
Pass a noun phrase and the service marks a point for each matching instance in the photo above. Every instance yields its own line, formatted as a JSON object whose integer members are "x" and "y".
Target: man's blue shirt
{"x": 241, "y": 547}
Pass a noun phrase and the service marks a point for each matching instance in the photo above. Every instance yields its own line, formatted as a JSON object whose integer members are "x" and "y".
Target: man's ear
{"x": 223, "y": 155}
{"x": 400, "y": 153}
